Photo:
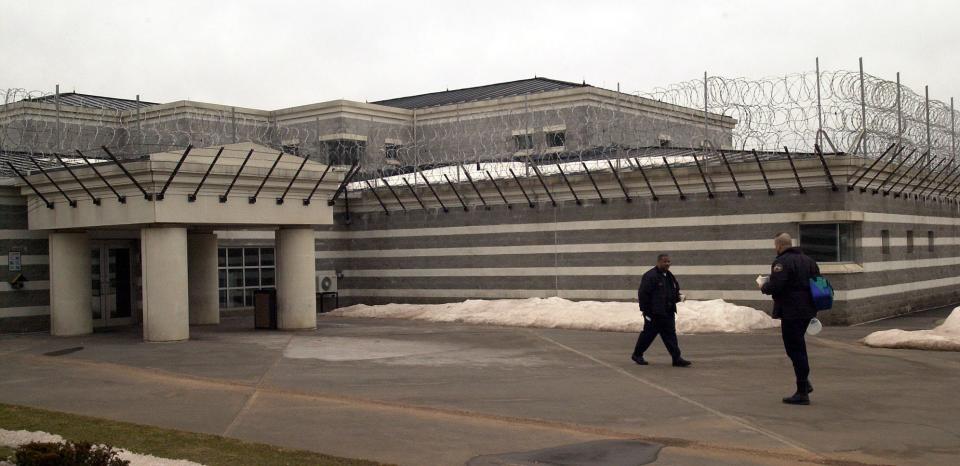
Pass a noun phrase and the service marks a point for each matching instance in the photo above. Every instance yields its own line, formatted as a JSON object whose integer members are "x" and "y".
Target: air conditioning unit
{"x": 326, "y": 281}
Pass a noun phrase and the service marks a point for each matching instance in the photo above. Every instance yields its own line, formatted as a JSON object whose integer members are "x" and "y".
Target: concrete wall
{"x": 598, "y": 250}
{"x": 26, "y": 309}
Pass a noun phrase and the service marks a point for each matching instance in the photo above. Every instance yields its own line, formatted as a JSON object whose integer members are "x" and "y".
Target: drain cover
{"x": 64, "y": 351}
{"x": 596, "y": 453}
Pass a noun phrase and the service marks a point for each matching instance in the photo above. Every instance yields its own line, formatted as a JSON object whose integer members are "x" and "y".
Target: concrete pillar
{"x": 296, "y": 279}
{"x": 165, "y": 297}
{"x": 70, "y": 291}
{"x": 203, "y": 280}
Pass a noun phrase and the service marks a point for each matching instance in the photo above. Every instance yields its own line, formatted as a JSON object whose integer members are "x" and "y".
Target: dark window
{"x": 930, "y": 240}
{"x": 909, "y": 240}
{"x": 885, "y": 241}
{"x": 392, "y": 151}
{"x": 556, "y": 139}
{"x": 523, "y": 141}
{"x": 344, "y": 151}
{"x": 292, "y": 149}
{"x": 827, "y": 242}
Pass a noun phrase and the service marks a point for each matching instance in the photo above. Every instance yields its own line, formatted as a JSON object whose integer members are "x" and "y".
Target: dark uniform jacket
{"x": 656, "y": 296}
{"x": 789, "y": 284}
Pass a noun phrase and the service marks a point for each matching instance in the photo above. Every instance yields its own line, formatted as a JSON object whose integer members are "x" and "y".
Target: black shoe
{"x": 681, "y": 363}
{"x": 800, "y": 397}
{"x": 809, "y": 387}
{"x": 639, "y": 360}
{"x": 797, "y": 399}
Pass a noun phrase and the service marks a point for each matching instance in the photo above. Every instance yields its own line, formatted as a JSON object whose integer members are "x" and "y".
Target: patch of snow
{"x": 15, "y": 438}
{"x": 692, "y": 316}
{"x": 944, "y": 337}
{"x": 398, "y": 352}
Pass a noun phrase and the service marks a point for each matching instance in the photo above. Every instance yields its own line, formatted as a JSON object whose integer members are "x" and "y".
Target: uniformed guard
{"x": 659, "y": 294}
{"x": 789, "y": 284}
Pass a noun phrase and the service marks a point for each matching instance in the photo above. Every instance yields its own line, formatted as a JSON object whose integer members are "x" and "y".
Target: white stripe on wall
{"x": 919, "y": 241}
{"x": 740, "y": 295}
{"x": 27, "y": 285}
{"x": 553, "y": 249}
{"x": 561, "y": 271}
{"x": 22, "y": 234}
{"x": 640, "y": 270}
{"x": 692, "y": 221}
{"x": 896, "y": 288}
{"x": 26, "y": 311}
{"x": 28, "y": 259}
{"x": 611, "y": 295}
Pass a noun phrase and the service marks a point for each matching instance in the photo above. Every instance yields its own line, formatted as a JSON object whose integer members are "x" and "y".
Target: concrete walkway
{"x": 415, "y": 393}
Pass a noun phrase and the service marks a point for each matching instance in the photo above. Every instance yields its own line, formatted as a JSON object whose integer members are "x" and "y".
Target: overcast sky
{"x": 276, "y": 54}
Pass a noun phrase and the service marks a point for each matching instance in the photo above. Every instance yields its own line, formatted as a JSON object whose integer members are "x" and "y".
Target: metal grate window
{"x": 242, "y": 271}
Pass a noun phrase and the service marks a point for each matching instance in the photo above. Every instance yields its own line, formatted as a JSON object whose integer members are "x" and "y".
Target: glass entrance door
{"x": 112, "y": 284}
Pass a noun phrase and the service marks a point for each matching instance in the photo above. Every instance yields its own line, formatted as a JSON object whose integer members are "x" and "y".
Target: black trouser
{"x": 666, "y": 327}
{"x": 793, "y": 331}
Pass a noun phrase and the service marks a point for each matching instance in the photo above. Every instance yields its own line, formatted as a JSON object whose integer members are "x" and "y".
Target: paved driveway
{"x": 436, "y": 394}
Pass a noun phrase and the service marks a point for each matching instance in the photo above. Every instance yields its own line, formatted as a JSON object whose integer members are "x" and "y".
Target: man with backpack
{"x": 793, "y": 304}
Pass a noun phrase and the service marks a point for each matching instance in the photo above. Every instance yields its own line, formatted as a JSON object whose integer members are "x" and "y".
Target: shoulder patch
{"x": 777, "y": 267}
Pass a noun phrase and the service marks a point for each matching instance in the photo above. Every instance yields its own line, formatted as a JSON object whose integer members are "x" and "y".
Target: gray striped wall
{"x": 26, "y": 309}
{"x": 595, "y": 250}
{"x": 598, "y": 250}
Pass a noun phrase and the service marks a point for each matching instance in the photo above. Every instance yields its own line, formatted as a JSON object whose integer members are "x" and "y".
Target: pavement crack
{"x": 256, "y": 391}
{"x": 734, "y": 419}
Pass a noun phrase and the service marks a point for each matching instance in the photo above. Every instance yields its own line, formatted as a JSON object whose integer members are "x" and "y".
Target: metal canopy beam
{"x": 95, "y": 199}
{"x": 146, "y": 195}
{"x": 176, "y": 170}
{"x": 34, "y": 188}
{"x": 290, "y": 184}
{"x": 193, "y": 197}
{"x": 71, "y": 202}
{"x": 675, "y": 183}
{"x": 120, "y": 198}
{"x": 524, "y": 191}
{"x": 253, "y": 199}
{"x": 223, "y": 197}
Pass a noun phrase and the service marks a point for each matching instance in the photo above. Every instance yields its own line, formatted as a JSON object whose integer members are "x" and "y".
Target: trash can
{"x": 265, "y": 309}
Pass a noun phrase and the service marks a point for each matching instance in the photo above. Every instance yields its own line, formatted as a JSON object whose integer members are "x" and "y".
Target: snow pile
{"x": 945, "y": 337}
{"x": 692, "y": 316}
{"x": 15, "y": 438}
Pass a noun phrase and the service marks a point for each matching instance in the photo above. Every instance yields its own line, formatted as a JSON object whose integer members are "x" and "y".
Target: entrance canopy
{"x": 238, "y": 185}
{"x": 174, "y": 201}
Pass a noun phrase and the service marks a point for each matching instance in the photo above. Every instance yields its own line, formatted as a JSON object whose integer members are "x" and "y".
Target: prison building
{"x": 568, "y": 190}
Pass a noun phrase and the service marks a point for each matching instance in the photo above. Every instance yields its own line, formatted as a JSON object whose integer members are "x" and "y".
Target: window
{"x": 885, "y": 241}
{"x": 392, "y": 151}
{"x": 827, "y": 242}
{"x": 930, "y": 240}
{"x": 556, "y": 138}
{"x": 523, "y": 141}
{"x": 344, "y": 151}
{"x": 243, "y": 270}
{"x": 663, "y": 140}
{"x": 291, "y": 149}
{"x": 909, "y": 240}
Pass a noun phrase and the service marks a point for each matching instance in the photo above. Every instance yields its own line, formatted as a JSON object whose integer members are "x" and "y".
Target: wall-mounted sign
{"x": 13, "y": 261}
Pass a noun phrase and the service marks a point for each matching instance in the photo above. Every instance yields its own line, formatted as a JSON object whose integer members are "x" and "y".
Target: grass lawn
{"x": 206, "y": 449}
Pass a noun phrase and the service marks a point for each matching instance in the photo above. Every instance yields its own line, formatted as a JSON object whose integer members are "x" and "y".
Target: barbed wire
{"x": 783, "y": 111}
{"x": 505, "y": 140}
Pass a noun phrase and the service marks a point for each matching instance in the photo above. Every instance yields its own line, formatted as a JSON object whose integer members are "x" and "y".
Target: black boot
{"x": 639, "y": 360}
{"x": 680, "y": 362}
{"x": 809, "y": 387}
{"x": 800, "y": 397}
